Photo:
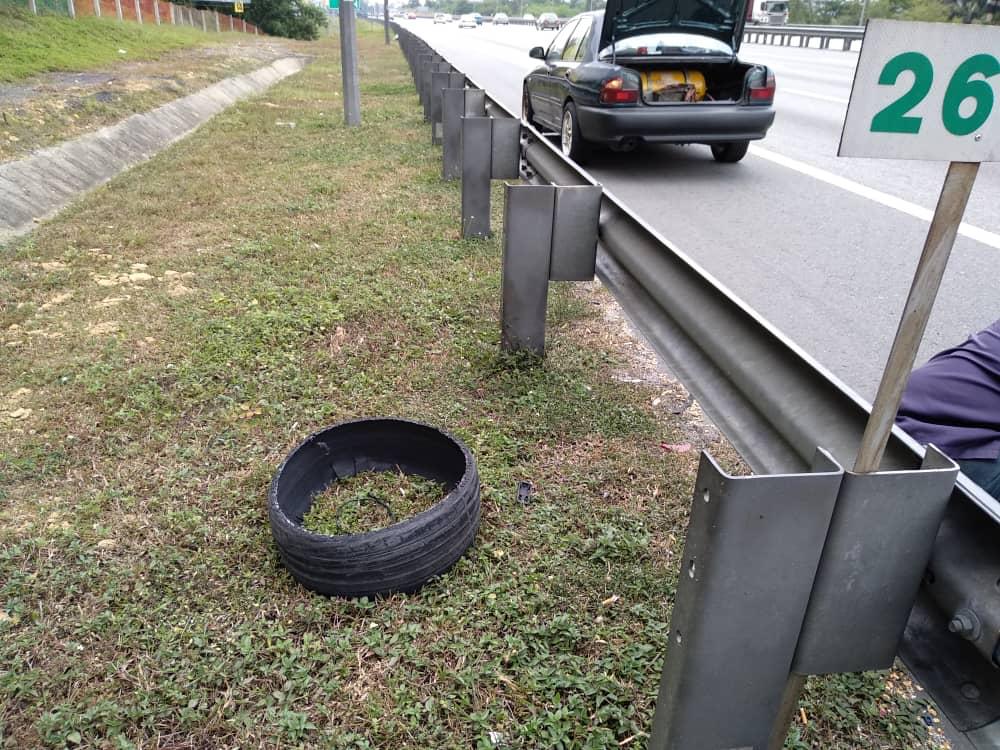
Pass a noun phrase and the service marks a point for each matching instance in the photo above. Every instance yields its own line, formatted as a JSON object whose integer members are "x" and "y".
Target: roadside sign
{"x": 335, "y": 4}
{"x": 237, "y": 6}
{"x": 924, "y": 91}
{"x": 928, "y": 91}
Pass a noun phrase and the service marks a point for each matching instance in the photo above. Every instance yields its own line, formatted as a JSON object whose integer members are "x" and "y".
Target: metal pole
{"x": 71, "y": 8}
{"x": 864, "y": 10}
{"x": 349, "y": 64}
{"x": 385, "y": 17}
{"x": 156, "y": 11}
{"x": 926, "y": 281}
{"x": 33, "y": 6}
{"x": 138, "y": 11}
{"x": 917, "y": 310}
{"x": 97, "y": 8}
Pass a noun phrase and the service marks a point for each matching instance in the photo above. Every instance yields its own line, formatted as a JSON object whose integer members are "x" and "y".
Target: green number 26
{"x": 895, "y": 117}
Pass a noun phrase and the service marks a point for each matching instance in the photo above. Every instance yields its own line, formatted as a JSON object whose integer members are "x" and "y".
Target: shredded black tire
{"x": 399, "y": 558}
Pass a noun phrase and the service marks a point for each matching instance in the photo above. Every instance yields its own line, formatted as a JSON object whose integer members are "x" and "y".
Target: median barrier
{"x": 802, "y": 36}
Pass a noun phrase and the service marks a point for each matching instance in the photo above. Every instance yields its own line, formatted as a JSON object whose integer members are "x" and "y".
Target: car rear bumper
{"x": 697, "y": 123}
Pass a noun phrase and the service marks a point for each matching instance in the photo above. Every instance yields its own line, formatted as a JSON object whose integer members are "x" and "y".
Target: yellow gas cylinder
{"x": 673, "y": 85}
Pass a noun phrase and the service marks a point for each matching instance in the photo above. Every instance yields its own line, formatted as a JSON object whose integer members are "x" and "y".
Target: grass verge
{"x": 170, "y": 337}
{"x": 370, "y": 501}
{"x": 31, "y": 44}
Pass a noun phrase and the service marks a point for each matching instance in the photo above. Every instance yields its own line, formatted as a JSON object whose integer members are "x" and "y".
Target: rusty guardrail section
{"x": 777, "y": 404}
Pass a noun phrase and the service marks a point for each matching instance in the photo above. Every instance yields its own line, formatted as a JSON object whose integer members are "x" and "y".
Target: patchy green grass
{"x": 369, "y": 501}
{"x": 32, "y": 44}
{"x": 55, "y": 108}
{"x": 170, "y": 337}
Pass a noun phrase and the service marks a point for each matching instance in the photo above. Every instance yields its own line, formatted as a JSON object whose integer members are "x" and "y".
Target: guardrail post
{"x": 33, "y": 6}
{"x": 457, "y": 104}
{"x": 423, "y": 65}
{"x": 490, "y": 150}
{"x": 550, "y": 234}
{"x": 751, "y": 552}
{"x": 97, "y": 8}
{"x": 782, "y": 584}
{"x": 138, "y": 11}
{"x": 156, "y": 11}
{"x": 527, "y": 222}
{"x": 435, "y": 65}
{"x": 71, "y": 8}
{"x": 440, "y": 82}
{"x": 477, "y": 140}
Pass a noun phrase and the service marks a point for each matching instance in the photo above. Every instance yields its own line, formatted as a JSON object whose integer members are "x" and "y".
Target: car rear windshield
{"x": 665, "y": 45}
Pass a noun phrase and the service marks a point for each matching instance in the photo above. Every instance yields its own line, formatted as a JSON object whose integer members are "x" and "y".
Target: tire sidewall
{"x": 578, "y": 149}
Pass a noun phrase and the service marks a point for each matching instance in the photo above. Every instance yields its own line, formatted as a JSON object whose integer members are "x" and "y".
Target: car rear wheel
{"x": 570, "y": 140}
{"x": 730, "y": 153}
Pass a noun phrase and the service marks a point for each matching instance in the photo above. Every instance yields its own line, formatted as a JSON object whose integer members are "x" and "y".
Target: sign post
{"x": 924, "y": 91}
{"x": 349, "y": 61}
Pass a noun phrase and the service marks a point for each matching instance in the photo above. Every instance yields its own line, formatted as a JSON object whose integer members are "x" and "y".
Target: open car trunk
{"x": 680, "y": 81}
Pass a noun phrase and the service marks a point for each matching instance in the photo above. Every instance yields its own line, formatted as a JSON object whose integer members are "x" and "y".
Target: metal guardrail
{"x": 801, "y": 36}
{"x": 776, "y": 404}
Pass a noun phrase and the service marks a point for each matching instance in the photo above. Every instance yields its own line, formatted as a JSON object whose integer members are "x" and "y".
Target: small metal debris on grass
{"x": 496, "y": 739}
{"x": 524, "y": 492}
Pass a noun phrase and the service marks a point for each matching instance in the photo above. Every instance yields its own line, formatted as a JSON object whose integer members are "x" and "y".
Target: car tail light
{"x": 619, "y": 91}
{"x": 761, "y": 86}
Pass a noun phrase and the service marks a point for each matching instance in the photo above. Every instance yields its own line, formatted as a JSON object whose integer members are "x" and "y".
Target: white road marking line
{"x": 891, "y": 201}
{"x": 821, "y": 97}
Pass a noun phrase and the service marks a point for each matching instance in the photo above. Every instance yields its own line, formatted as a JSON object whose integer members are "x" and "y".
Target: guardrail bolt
{"x": 965, "y": 623}
{"x": 970, "y": 691}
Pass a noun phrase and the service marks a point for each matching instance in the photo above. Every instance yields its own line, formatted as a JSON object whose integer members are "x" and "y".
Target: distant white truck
{"x": 771, "y": 12}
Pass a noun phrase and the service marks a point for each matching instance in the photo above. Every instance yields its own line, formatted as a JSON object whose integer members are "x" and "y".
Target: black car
{"x": 662, "y": 71}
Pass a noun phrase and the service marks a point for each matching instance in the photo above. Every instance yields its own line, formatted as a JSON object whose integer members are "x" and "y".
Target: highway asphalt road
{"x": 821, "y": 246}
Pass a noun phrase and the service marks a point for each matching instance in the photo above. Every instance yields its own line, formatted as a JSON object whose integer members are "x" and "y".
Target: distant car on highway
{"x": 479, "y": 18}
{"x": 547, "y": 21}
{"x": 528, "y": 17}
{"x": 647, "y": 73}
{"x": 500, "y": 19}
{"x": 410, "y": 16}
{"x": 467, "y": 21}
{"x": 442, "y": 18}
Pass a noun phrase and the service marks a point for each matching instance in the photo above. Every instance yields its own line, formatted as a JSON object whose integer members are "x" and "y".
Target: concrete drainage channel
{"x": 49, "y": 180}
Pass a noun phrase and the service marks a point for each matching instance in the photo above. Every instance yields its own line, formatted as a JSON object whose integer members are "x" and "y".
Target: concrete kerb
{"x": 50, "y": 179}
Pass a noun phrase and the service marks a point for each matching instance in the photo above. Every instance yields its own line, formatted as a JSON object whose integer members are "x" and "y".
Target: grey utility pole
{"x": 385, "y": 19}
{"x": 349, "y": 64}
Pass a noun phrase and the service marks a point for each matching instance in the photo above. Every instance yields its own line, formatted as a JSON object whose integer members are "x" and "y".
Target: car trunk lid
{"x": 718, "y": 19}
